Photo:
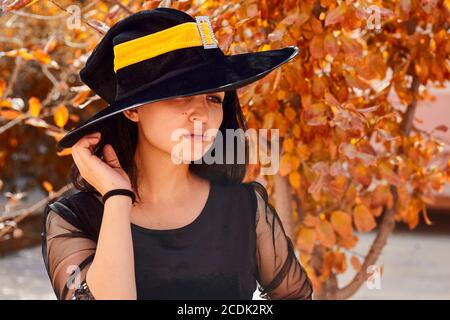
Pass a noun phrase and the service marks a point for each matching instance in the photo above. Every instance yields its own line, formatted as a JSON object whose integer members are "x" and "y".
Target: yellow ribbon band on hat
{"x": 180, "y": 36}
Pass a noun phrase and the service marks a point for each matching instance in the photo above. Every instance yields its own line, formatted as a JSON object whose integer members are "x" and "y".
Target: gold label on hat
{"x": 203, "y": 19}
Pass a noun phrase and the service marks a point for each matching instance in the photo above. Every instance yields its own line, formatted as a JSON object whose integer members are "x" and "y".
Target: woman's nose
{"x": 198, "y": 110}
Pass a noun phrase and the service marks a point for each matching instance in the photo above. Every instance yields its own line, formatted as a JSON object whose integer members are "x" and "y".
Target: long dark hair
{"x": 122, "y": 134}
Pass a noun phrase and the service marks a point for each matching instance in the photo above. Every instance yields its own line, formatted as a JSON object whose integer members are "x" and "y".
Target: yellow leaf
{"x": 25, "y": 54}
{"x": 294, "y": 179}
{"x": 364, "y": 220}
{"x": 61, "y": 115}
{"x": 5, "y": 103}
{"x": 47, "y": 186}
{"x": 34, "y": 106}
{"x": 41, "y": 56}
{"x": 65, "y": 152}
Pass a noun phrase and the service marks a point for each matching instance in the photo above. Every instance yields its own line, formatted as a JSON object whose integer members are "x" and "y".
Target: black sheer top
{"x": 235, "y": 245}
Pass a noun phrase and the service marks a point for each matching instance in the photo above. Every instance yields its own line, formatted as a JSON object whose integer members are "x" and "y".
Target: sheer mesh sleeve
{"x": 280, "y": 274}
{"x": 67, "y": 252}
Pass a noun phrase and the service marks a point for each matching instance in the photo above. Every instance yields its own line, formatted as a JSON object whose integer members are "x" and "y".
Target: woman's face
{"x": 183, "y": 127}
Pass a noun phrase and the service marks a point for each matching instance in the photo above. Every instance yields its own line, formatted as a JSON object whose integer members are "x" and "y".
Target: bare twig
{"x": 13, "y": 122}
{"x": 18, "y": 65}
{"x": 80, "y": 17}
{"x": 19, "y": 216}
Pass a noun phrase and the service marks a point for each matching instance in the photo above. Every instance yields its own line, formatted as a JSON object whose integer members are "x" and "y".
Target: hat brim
{"x": 237, "y": 71}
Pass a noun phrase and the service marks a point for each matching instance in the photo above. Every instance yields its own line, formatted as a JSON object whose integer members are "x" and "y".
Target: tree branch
{"x": 13, "y": 220}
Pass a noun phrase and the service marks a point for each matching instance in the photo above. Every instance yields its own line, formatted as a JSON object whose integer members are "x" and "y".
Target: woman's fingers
{"x": 83, "y": 149}
{"x": 110, "y": 156}
{"x": 92, "y": 134}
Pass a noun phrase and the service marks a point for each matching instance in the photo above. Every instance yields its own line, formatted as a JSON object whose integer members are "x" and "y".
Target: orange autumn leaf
{"x": 41, "y": 56}
{"x": 351, "y": 46}
{"x": 2, "y": 87}
{"x": 269, "y": 119}
{"x": 294, "y": 179}
{"x": 290, "y": 114}
{"x": 310, "y": 220}
{"x": 382, "y": 196}
{"x": 5, "y": 103}
{"x": 61, "y": 116}
{"x": 348, "y": 243}
{"x": 305, "y": 239}
{"x": 288, "y": 145}
{"x": 319, "y": 86}
{"x": 331, "y": 44}
{"x": 34, "y": 106}
{"x": 364, "y": 220}
{"x": 316, "y": 47}
{"x": 47, "y": 186}
{"x": 80, "y": 98}
{"x": 325, "y": 234}
{"x": 339, "y": 262}
{"x": 9, "y": 114}
{"x": 295, "y": 163}
{"x": 65, "y": 152}
{"x": 355, "y": 263}
{"x": 342, "y": 223}
{"x": 336, "y": 15}
{"x": 285, "y": 165}
{"x": 327, "y": 265}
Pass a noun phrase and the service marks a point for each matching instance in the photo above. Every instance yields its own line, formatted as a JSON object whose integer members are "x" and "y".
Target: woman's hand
{"x": 103, "y": 174}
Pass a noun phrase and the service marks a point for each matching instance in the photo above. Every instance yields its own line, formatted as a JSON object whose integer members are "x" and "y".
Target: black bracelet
{"x": 125, "y": 192}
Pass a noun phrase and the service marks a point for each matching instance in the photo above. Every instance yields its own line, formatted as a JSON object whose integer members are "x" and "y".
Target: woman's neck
{"x": 159, "y": 179}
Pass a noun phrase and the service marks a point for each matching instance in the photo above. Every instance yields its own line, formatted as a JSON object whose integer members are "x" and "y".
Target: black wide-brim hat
{"x": 160, "y": 54}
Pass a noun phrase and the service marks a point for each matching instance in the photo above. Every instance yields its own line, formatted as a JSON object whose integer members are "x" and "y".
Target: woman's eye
{"x": 216, "y": 99}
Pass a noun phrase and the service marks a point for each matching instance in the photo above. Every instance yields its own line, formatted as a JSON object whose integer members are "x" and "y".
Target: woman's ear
{"x": 131, "y": 114}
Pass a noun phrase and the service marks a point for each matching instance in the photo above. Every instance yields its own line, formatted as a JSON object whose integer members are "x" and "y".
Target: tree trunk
{"x": 282, "y": 198}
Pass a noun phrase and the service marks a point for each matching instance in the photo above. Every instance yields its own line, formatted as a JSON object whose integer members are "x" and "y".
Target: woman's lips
{"x": 196, "y": 137}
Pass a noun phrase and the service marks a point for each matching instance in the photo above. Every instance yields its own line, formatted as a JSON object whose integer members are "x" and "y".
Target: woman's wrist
{"x": 119, "y": 204}
{"x": 119, "y": 192}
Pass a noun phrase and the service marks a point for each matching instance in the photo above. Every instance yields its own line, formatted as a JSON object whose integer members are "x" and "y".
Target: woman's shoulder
{"x": 78, "y": 200}
{"x": 82, "y": 209}
{"x": 250, "y": 195}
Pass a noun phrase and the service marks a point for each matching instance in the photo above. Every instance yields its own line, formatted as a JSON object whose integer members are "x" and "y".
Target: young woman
{"x": 149, "y": 220}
